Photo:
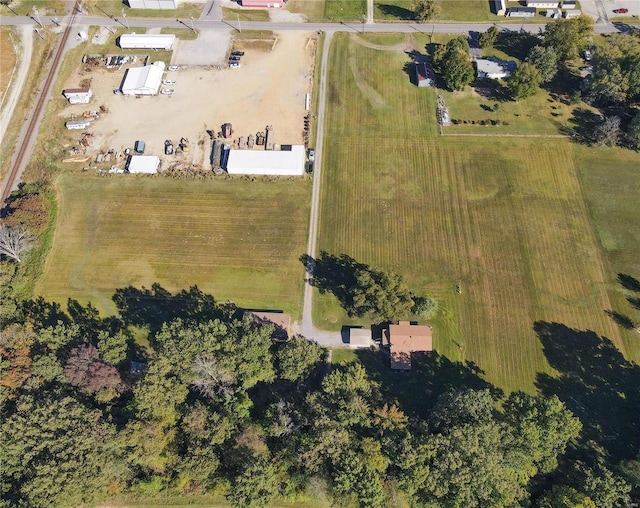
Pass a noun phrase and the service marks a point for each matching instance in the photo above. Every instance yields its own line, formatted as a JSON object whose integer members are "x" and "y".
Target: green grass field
{"x": 503, "y": 217}
{"x": 236, "y": 239}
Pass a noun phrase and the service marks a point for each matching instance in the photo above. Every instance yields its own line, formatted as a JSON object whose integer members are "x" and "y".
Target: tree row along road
{"x": 26, "y": 138}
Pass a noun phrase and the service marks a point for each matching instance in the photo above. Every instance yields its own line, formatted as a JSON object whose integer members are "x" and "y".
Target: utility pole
{"x": 36, "y": 16}
{"x": 238, "y": 18}
{"x": 191, "y": 18}
{"x": 124, "y": 16}
{"x": 364, "y": 18}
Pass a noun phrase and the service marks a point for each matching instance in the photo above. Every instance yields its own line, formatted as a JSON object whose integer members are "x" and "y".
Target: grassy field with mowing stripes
{"x": 505, "y": 218}
{"x": 236, "y": 239}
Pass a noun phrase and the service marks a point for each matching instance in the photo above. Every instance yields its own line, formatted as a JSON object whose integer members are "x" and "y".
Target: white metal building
{"x": 541, "y": 4}
{"x": 153, "y": 4}
{"x": 77, "y": 124}
{"x": 78, "y": 95}
{"x": 147, "y": 41}
{"x": 267, "y": 162}
{"x": 143, "y": 80}
{"x": 142, "y": 164}
{"x": 572, "y": 13}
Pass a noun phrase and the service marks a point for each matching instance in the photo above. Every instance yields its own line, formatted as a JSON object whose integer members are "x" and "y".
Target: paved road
{"x": 206, "y": 23}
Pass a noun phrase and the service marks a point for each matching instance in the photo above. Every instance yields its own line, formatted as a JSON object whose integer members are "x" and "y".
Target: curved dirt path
{"x": 407, "y": 45}
{"x": 24, "y": 56}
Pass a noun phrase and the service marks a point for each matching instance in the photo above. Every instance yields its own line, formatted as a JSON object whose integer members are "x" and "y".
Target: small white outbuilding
{"x": 147, "y": 41}
{"x": 143, "y": 80}
{"x": 142, "y": 164}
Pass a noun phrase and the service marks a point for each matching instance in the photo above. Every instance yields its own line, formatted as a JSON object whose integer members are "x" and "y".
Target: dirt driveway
{"x": 268, "y": 89}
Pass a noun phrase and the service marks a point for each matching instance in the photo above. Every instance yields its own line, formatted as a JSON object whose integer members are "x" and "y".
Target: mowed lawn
{"x": 505, "y": 218}
{"x": 236, "y": 239}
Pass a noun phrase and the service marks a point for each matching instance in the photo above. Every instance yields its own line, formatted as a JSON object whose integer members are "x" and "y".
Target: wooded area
{"x": 214, "y": 405}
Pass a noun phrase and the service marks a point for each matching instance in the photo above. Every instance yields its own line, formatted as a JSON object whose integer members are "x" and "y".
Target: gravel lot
{"x": 268, "y": 89}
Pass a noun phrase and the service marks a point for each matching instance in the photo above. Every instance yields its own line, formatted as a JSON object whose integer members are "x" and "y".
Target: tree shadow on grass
{"x": 156, "y": 306}
{"x": 416, "y": 391}
{"x": 582, "y": 126}
{"x": 596, "y": 383}
{"x": 629, "y": 282}
{"x": 516, "y": 43}
{"x": 396, "y": 11}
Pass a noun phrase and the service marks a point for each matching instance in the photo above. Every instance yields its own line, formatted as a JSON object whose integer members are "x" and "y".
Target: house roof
{"x": 494, "y": 67}
{"x": 280, "y": 320}
{"x": 75, "y": 91}
{"x": 424, "y": 72}
{"x": 406, "y": 338}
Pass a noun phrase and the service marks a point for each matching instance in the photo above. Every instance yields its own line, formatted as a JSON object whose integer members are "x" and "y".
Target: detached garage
{"x": 267, "y": 162}
{"x": 143, "y": 80}
{"x": 142, "y": 164}
{"x": 147, "y": 41}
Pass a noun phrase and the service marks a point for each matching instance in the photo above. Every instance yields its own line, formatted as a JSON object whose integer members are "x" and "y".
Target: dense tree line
{"x": 214, "y": 405}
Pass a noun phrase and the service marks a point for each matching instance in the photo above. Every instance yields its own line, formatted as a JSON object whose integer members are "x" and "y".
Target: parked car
{"x": 173, "y": 68}
{"x": 310, "y": 167}
{"x": 312, "y": 153}
{"x": 587, "y": 55}
{"x": 623, "y": 10}
{"x": 237, "y": 53}
{"x": 234, "y": 58}
{"x": 167, "y": 91}
{"x": 234, "y": 65}
{"x": 168, "y": 82}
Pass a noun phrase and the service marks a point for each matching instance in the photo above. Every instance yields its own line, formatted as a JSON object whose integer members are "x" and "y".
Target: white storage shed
{"x": 267, "y": 162}
{"x": 78, "y": 95}
{"x": 77, "y": 124}
{"x": 142, "y": 164}
{"x": 147, "y": 41}
{"x": 143, "y": 80}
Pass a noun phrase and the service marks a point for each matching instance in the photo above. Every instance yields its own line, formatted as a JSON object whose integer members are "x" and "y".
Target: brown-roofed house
{"x": 406, "y": 338}
{"x": 281, "y": 321}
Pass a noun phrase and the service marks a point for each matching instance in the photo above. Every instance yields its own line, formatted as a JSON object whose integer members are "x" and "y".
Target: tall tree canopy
{"x": 568, "y": 37}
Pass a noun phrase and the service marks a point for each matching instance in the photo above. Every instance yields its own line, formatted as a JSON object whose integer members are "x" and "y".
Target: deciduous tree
{"x": 489, "y": 38}
{"x": 15, "y": 241}
{"x": 568, "y": 36}
{"x": 545, "y": 59}
{"x": 524, "y": 81}
{"x": 425, "y": 9}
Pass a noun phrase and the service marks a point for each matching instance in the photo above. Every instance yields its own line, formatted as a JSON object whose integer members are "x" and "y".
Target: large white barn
{"x": 143, "y": 80}
{"x": 153, "y": 4}
{"x": 267, "y": 162}
{"x": 147, "y": 41}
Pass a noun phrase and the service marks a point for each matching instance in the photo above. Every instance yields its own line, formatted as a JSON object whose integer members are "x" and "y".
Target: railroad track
{"x": 23, "y": 151}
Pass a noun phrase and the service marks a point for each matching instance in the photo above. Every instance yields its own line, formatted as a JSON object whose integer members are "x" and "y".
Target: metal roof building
{"x": 147, "y": 41}
{"x": 262, "y": 4}
{"x": 143, "y": 80}
{"x": 153, "y": 4}
{"x": 142, "y": 164}
{"x": 267, "y": 162}
{"x": 494, "y": 68}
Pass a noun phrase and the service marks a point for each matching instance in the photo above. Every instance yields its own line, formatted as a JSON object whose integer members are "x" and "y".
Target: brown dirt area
{"x": 268, "y": 89}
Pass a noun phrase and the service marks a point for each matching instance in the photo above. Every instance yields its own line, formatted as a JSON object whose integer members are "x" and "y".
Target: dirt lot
{"x": 268, "y": 89}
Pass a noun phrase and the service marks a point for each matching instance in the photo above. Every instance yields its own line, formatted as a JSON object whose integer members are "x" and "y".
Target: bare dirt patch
{"x": 268, "y": 89}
